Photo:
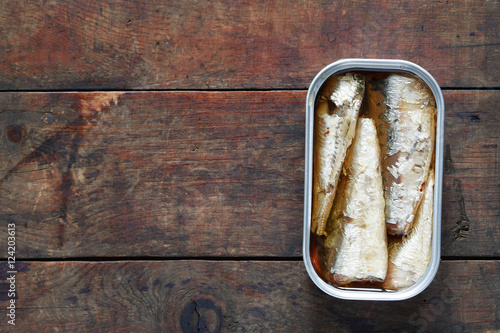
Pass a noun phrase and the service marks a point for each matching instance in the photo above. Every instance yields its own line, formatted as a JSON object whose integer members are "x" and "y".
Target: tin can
{"x": 367, "y": 66}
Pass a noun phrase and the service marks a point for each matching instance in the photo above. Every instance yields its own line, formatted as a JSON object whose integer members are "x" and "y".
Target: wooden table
{"x": 152, "y": 160}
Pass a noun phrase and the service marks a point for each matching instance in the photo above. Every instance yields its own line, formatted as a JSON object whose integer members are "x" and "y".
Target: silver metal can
{"x": 373, "y": 65}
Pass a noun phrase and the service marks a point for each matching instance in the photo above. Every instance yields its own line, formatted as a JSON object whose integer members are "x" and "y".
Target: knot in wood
{"x": 202, "y": 315}
{"x": 16, "y": 133}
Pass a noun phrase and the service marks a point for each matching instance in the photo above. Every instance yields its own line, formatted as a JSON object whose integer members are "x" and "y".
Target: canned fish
{"x": 373, "y": 179}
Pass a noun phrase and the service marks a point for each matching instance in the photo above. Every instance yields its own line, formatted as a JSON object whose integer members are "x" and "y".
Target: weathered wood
{"x": 211, "y": 296}
{"x": 159, "y": 174}
{"x": 471, "y": 191}
{"x": 245, "y": 44}
{"x": 202, "y": 174}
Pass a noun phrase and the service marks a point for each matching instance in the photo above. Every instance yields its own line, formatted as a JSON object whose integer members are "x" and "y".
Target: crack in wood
{"x": 448, "y": 163}
{"x": 199, "y": 320}
{"x": 463, "y": 224}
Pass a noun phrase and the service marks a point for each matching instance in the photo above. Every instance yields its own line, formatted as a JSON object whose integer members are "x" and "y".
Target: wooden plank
{"x": 471, "y": 192}
{"x": 234, "y": 296}
{"x": 202, "y": 174}
{"x": 245, "y": 44}
{"x": 160, "y": 174}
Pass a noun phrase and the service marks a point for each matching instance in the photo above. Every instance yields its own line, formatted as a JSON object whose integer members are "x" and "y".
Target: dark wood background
{"x": 152, "y": 160}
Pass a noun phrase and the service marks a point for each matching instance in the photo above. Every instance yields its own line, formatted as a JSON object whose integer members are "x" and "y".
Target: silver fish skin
{"x": 335, "y": 122}
{"x": 357, "y": 238}
{"x": 405, "y": 111}
{"x": 410, "y": 257}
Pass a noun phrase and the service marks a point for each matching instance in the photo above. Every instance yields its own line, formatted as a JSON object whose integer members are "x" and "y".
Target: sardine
{"x": 405, "y": 110}
{"x": 357, "y": 238}
{"x": 335, "y": 123}
{"x": 409, "y": 258}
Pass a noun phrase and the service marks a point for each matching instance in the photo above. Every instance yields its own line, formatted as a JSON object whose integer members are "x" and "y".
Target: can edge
{"x": 356, "y": 64}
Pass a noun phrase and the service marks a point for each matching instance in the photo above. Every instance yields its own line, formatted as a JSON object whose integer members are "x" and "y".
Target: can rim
{"x": 374, "y": 65}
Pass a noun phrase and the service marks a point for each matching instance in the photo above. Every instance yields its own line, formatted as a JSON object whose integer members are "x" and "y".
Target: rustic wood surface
{"x": 241, "y": 296}
{"x": 152, "y": 161}
{"x": 204, "y": 173}
{"x": 154, "y": 44}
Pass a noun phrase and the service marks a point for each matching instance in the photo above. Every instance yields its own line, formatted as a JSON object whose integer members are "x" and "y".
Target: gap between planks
{"x": 215, "y": 258}
{"x": 206, "y": 90}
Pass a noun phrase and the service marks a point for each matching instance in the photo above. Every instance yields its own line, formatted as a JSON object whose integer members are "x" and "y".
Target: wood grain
{"x": 239, "y": 296}
{"x": 151, "y": 44}
{"x": 471, "y": 192}
{"x": 160, "y": 174}
{"x": 187, "y": 174}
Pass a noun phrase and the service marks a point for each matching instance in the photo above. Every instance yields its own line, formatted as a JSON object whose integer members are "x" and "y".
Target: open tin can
{"x": 372, "y": 66}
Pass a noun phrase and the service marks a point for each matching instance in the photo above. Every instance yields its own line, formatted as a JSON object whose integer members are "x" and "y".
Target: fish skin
{"x": 410, "y": 257}
{"x": 334, "y": 129}
{"x": 405, "y": 111}
{"x": 357, "y": 238}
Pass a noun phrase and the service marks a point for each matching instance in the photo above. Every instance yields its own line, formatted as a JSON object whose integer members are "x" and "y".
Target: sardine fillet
{"x": 408, "y": 259}
{"x": 405, "y": 111}
{"x": 357, "y": 239}
{"x": 334, "y": 129}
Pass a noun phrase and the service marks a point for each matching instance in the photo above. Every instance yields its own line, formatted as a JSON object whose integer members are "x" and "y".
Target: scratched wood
{"x": 202, "y": 174}
{"x": 74, "y": 45}
{"x": 239, "y": 296}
